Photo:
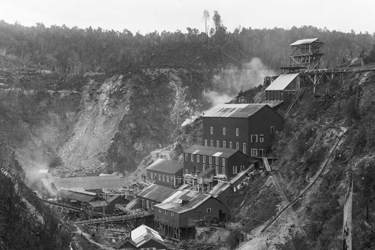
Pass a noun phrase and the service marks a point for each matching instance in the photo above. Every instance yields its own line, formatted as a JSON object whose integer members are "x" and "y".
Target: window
{"x": 211, "y": 130}
{"x": 242, "y": 167}
{"x": 224, "y": 144}
{"x": 165, "y": 211}
{"x": 192, "y": 158}
{"x": 223, "y": 162}
{"x": 237, "y": 145}
{"x": 261, "y": 152}
{"x": 159, "y": 177}
{"x": 186, "y": 157}
{"x": 163, "y": 177}
{"x": 254, "y": 152}
{"x": 204, "y": 159}
{"x": 152, "y": 205}
{"x": 272, "y": 130}
{"x": 230, "y": 144}
{"x": 204, "y": 167}
{"x": 244, "y": 148}
{"x": 167, "y": 178}
{"x": 223, "y": 170}
{"x": 151, "y": 176}
{"x": 172, "y": 214}
{"x": 217, "y": 160}
{"x": 216, "y": 170}
{"x": 210, "y": 159}
{"x": 261, "y": 138}
{"x": 205, "y": 142}
{"x": 217, "y": 143}
{"x": 234, "y": 169}
{"x": 147, "y": 203}
{"x": 198, "y": 158}
{"x": 143, "y": 202}
{"x": 224, "y": 130}
{"x": 237, "y": 132}
{"x": 208, "y": 210}
{"x": 254, "y": 138}
{"x": 172, "y": 177}
{"x": 211, "y": 143}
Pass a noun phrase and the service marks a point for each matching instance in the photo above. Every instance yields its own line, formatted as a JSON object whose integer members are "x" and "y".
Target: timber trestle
{"x": 134, "y": 220}
{"x": 174, "y": 233}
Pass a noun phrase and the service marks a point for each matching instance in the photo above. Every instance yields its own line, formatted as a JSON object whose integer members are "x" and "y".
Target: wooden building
{"x": 144, "y": 237}
{"x": 184, "y": 209}
{"x": 165, "y": 172}
{"x": 284, "y": 88}
{"x": 306, "y": 54}
{"x": 108, "y": 205}
{"x": 245, "y": 127}
{"x": 224, "y": 162}
{"x": 154, "y": 194}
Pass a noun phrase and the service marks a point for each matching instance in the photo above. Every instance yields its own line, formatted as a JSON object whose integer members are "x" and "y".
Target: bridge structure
{"x": 133, "y": 220}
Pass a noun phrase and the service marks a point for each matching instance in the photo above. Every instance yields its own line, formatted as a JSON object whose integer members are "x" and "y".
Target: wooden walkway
{"x": 116, "y": 218}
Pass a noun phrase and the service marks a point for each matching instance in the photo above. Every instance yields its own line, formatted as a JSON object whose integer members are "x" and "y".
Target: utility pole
{"x": 347, "y": 227}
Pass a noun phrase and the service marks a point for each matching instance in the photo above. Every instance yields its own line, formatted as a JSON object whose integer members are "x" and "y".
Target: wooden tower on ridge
{"x": 306, "y": 54}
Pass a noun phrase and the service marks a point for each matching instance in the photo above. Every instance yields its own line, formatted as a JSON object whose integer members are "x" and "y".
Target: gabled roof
{"x": 174, "y": 203}
{"x": 156, "y": 193}
{"x": 306, "y": 41}
{"x": 211, "y": 151}
{"x": 143, "y": 233}
{"x": 91, "y": 182}
{"x": 234, "y": 110}
{"x": 166, "y": 166}
{"x": 114, "y": 197}
{"x": 282, "y": 82}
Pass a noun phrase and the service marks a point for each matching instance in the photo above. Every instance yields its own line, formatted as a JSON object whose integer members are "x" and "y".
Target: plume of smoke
{"x": 227, "y": 84}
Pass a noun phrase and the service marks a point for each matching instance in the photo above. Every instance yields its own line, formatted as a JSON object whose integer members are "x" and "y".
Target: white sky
{"x": 150, "y": 15}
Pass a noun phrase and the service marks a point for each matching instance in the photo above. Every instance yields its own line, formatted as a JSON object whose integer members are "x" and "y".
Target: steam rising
{"x": 227, "y": 84}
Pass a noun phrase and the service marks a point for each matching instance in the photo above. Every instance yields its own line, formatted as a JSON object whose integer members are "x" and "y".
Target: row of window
{"x": 254, "y": 152}
{"x": 224, "y": 145}
{"x": 162, "y": 177}
{"x": 198, "y": 158}
{"x": 272, "y": 130}
{"x": 225, "y": 131}
{"x": 223, "y": 169}
{"x": 166, "y": 212}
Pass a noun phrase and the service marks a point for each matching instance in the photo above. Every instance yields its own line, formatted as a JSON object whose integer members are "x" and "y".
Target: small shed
{"x": 144, "y": 237}
{"x": 283, "y": 88}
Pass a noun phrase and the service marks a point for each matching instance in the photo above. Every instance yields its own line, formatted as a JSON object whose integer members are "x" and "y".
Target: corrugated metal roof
{"x": 305, "y": 41}
{"x": 174, "y": 204}
{"x": 133, "y": 203}
{"x": 219, "y": 188}
{"x": 211, "y": 151}
{"x": 234, "y": 110}
{"x": 97, "y": 204}
{"x": 156, "y": 193}
{"x": 282, "y": 82}
{"x": 91, "y": 182}
{"x": 166, "y": 166}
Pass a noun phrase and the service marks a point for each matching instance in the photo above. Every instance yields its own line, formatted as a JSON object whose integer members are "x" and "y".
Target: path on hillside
{"x": 89, "y": 238}
{"x": 275, "y": 179}
{"x": 317, "y": 175}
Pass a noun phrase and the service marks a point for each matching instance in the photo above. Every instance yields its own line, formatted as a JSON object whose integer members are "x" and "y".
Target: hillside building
{"x": 154, "y": 194}
{"x": 181, "y": 211}
{"x": 201, "y": 161}
{"x": 144, "y": 237}
{"x": 284, "y": 88}
{"x": 245, "y": 127}
{"x": 166, "y": 173}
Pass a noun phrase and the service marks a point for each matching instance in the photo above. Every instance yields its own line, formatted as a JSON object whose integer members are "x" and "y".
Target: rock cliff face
{"x": 97, "y": 123}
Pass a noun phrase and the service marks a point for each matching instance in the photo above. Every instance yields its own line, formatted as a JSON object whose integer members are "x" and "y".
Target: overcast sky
{"x": 150, "y": 15}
